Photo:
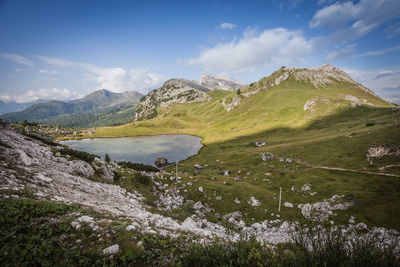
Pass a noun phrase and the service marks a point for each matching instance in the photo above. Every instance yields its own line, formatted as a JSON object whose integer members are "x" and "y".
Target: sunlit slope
{"x": 327, "y": 141}
{"x": 264, "y": 105}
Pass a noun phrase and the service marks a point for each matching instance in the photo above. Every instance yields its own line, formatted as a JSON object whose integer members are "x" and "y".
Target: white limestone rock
{"x": 111, "y": 250}
{"x": 254, "y": 202}
{"x": 288, "y": 205}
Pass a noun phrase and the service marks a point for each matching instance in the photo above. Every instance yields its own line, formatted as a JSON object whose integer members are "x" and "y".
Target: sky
{"x": 65, "y": 49}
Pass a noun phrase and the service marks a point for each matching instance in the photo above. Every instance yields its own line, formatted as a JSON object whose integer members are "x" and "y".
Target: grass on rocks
{"x": 37, "y": 233}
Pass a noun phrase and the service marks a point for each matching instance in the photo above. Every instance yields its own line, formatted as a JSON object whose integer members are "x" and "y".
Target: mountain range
{"x": 106, "y": 108}
{"x": 289, "y": 97}
{"x": 101, "y": 107}
{"x": 8, "y": 107}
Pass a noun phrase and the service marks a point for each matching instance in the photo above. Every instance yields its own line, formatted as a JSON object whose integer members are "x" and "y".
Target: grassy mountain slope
{"x": 328, "y": 145}
{"x": 265, "y": 107}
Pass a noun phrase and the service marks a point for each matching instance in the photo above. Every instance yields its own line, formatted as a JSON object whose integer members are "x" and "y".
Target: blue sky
{"x": 66, "y": 49}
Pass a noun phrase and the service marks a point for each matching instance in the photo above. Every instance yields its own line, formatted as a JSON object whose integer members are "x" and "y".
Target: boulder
{"x": 79, "y": 167}
{"x": 197, "y": 168}
{"x": 267, "y": 156}
{"x": 288, "y": 205}
{"x": 111, "y": 250}
{"x": 86, "y": 219}
{"x": 254, "y": 202}
{"x": 259, "y": 144}
{"x": 306, "y": 187}
{"x": 161, "y": 162}
{"x": 24, "y": 158}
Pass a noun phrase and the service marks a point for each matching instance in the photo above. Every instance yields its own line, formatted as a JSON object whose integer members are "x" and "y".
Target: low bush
{"x": 45, "y": 140}
{"x": 137, "y": 166}
{"x": 78, "y": 154}
{"x": 142, "y": 179}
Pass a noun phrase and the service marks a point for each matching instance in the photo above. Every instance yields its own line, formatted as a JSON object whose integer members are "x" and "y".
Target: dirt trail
{"x": 345, "y": 170}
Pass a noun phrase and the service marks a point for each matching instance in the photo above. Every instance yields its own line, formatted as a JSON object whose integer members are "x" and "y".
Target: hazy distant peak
{"x": 193, "y": 84}
{"x": 220, "y": 82}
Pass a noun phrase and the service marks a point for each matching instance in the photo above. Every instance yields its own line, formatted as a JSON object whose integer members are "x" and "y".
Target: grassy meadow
{"x": 327, "y": 146}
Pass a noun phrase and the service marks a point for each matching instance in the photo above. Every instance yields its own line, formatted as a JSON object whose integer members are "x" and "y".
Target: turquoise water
{"x": 140, "y": 149}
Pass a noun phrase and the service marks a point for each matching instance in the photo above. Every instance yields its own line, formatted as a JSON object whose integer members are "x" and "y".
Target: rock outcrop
{"x": 173, "y": 91}
{"x": 220, "y": 82}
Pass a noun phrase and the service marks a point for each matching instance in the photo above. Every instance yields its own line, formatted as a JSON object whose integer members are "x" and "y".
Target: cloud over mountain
{"x": 114, "y": 79}
{"x": 254, "y": 50}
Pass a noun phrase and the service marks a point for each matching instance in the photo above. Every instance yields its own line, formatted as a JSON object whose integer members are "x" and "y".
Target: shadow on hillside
{"x": 355, "y": 116}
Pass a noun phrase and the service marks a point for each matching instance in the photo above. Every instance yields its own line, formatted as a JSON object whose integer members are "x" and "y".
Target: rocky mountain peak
{"x": 322, "y": 75}
{"x": 183, "y": 82}
{"x": 319, "y": 77}
{"x": 220, "y": 82}
{"x": 172, "y": 91}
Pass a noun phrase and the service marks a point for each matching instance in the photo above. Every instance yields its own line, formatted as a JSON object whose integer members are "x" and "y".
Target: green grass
{"x": 39, "y": 233}
{"x": 335, "y": 135}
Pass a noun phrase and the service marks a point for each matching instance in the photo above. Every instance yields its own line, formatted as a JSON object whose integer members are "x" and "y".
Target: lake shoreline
{"x": 141, "y": 149}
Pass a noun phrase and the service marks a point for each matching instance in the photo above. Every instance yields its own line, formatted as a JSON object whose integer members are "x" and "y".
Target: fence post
{"x": 177, "y": 170}
{"x": 280, "y": 198}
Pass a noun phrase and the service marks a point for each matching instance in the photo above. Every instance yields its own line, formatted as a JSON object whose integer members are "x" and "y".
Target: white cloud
{"x": 335, "y": 15}
{"x": 226, "y": 26}
{"x": 5, "y": 97}
{"x": 51, "y": 72}
{"x": 18, "y": 70}
{"x": 114, "y": 79}
{"x": 254, "y": 50}
{"x": 18, "y": 59}
{"x": 351, "y": 21}
{"x": 380, "y": 52}
{"x": 385, "y": 82}
{"x": 348, "y": 50}
{"x": 50, "y": 94}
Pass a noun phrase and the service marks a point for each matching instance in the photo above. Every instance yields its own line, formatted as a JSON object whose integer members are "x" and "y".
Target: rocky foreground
{"x": 48, "y": 174}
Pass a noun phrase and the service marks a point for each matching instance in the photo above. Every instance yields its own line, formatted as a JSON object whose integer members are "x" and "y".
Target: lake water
{"x": 140, "y": 149}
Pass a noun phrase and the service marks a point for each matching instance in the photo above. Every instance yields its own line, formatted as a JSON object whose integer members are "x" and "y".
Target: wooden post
{"x": 280, "y": 198}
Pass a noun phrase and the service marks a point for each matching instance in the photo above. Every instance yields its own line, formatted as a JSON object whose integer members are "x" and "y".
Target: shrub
{"x": 78, "y": 154}
{"x": 142, "y": 179}
{"x": 45, "y": 140}
{"x": 138, "y": 166}
{"x": 107, "y": 158}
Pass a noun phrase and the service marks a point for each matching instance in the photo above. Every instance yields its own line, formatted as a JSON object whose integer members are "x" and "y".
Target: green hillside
{"x": 327, "y": 146}
{"x": 269, "y": 107}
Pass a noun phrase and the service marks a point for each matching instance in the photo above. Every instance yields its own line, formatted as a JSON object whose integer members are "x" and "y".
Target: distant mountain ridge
{"x": 93, "y": 104}
{"x": 220, "y": 82}
{"x": 7, "y": 107}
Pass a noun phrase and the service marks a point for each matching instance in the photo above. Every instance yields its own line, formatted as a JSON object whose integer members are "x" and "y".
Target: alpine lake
{"x": 144, "y": 150}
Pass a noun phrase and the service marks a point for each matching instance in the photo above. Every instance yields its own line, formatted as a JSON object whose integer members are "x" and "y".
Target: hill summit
{"x": 328, "y": 85}
{"x": 172, "y": 91}
{"x": 220, "y": 82}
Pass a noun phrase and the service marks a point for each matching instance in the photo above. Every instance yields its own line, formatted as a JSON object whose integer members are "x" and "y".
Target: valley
{"x": 299, "y": 147}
